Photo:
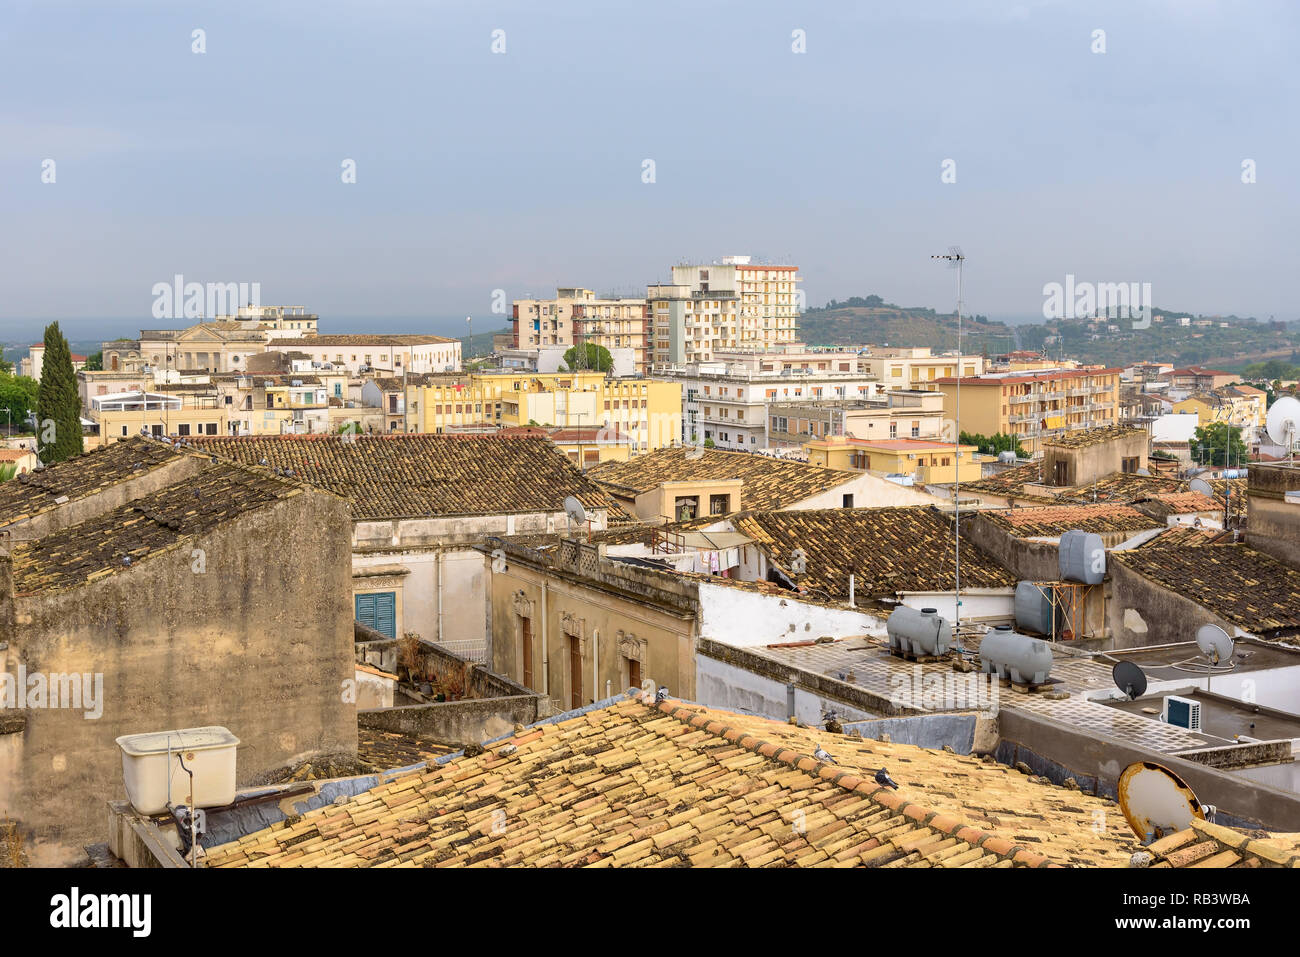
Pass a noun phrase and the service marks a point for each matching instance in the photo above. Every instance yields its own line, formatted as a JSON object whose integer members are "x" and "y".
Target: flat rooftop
{"x": 1171, "y": 662}
{"x": 1222, "y": 717}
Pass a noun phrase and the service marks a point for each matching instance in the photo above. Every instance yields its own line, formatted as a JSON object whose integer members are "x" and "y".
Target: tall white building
{"x": 723, "y": 305}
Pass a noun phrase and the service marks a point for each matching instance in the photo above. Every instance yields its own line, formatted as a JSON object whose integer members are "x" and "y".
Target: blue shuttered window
{"x": 378, "y": 611}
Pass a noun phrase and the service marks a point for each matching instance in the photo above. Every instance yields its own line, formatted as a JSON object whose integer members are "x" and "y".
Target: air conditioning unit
{"x": 1181, "y": 712}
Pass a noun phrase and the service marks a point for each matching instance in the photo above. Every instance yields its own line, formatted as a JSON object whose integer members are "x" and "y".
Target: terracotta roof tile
{"x": 1083, "y": 438}
{"x": 888, "y": 550}
{"x": 635, "y": 785}
{"x": 768, "y": 483}
{"x": 397, "y": 476}
{"x": 1052, "y": 520}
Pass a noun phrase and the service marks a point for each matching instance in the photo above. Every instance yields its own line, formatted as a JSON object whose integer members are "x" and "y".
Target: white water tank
{"x": 209, "y": 753}
{"x": 921, "y": 632}
{"x": 1023, "y": 659}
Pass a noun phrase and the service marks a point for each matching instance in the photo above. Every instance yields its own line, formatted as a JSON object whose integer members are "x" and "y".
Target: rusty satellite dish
{"x": 1156, "y": 802}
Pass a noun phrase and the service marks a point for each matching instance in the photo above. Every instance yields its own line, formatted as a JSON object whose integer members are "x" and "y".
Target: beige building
{"x": 32, "y": 364}
{"x": 577, "y": 315}
{"x": 899, "y": 414}
{"x": 767, "y": 298}
{"x": 179, "y": 411}
{"x": 392, "y": 354}
{"x": 915, "y": 367}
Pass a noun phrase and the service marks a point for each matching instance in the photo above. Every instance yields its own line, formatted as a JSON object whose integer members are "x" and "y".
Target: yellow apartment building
{"x": 928, "y": 461}
{"x": 1033, "y": 406}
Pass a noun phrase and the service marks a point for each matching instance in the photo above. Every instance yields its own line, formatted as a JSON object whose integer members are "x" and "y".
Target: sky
{"x": 521, "y": 170}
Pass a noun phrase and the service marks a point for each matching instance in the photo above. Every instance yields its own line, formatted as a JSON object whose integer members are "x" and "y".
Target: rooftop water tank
{"x": 1034, "y": 610}
{"x": 921, "y": 632}
{"x": 1008, "y": 457}
{"x": 1082, "y": 557}
{"x": 208, "y": 753}
{"x": 1011, "y": 655}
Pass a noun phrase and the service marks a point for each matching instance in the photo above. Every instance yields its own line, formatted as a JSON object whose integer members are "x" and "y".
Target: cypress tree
{"x": 58, "y": 408}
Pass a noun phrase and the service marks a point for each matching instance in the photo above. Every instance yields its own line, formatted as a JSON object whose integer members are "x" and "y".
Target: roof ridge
{"x": 945, "y": 824}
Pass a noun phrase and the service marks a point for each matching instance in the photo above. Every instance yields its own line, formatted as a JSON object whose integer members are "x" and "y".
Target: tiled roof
{"x": 81, "y": 476}
{"x": 1237, "y": 583}
{"x": 1128, "y": 487}
{"x": 13, "y": 455}
{"x": 1181, "y": 536}
{"x": 769, "y": 483}
{"x": 1051, "y": 520}
{"x": 144, "y": 528}
{"x": 1010, "y": 482}
{"x": 888, "y": 550}
{"x": 1212, "y": 845}
{"x": 386, "y": 750}
{"x": 409, "y": 475}
{"x": 1164, "y": 504}
{"x": 1083, "y": 438}
{"x": 677, "y": 785}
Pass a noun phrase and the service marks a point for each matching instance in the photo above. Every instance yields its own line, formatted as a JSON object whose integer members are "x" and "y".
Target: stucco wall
{"x": 260, "y": 642}
{"x": 868, "y": 491}
{"x": 458, "y": 723}
{"x": 1139, "y": 612}
{"x": 739, "y": 616}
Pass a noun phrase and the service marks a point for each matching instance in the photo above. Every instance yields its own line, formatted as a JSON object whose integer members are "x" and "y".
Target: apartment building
{"x": 1198, "y": 379}
{"x": 577, "y": 315}
{"x": 393, "y": 354}
{"x": 182, "y": 411}
{"x": 898, "y": 414}
{"x": 1241, "y": 406}
{"x": 726, "y": 402}
{"x": 645, "y": 412}
{"x": 767, "y": 297}
{"x": 276, "y": 403}
{"x": 915, "y": 367}
{"x": 1034, "y": 405}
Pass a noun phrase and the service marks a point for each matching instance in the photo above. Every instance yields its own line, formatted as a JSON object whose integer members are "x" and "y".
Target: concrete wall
{"x": 261, "y": 643}
{"x": 1139, "y": 612}
{"x": 739, "y": 616}
{"x": 458, "y": 723}
{"x": 1027, "y": 560}
{"x": 1273, "y": 524}
{"x": 868, "y": 491}
{"x": 1097, "y": 761}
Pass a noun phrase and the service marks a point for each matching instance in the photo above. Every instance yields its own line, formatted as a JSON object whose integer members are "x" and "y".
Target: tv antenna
{"x": 956, "y": 259}
{"x": 1129, "y": 679}
{"x": 1283, "y": 424}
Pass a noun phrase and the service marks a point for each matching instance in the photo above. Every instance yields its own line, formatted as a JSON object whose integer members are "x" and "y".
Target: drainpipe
{"x": 789, "y": 699}
{"x": 851, "y": 604}
{"x": 439, "y": 570}
{"x": 595, "y": 662}
{"x": 546, "y": 648}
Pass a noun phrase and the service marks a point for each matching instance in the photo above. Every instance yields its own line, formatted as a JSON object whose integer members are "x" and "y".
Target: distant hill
{"x": 1226, "y": 341}
{"x": 871, "y": 320}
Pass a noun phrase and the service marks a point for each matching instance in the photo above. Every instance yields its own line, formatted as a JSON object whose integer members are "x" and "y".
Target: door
{"x": 378, "y": 611}
{"x": 575, "y": 673}
{"x": 633, "y": 673}
{"x": 526, "y": 628}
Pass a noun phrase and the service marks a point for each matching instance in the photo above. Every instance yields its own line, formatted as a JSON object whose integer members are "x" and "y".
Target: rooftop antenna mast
{"x": 956, "y": 260}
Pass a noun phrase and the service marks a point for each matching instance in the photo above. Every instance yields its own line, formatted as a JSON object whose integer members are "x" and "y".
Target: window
{"x": 848, "y": 501}
{"x": 719, "y": 504}
{"x": 183, "y": 429}
{"x": 378, "y": 611}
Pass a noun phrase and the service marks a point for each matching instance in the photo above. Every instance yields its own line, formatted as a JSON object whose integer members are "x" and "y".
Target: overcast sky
{"x": 478, "y": 171}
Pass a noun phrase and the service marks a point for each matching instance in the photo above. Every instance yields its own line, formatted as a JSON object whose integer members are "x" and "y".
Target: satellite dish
{"x": 1202, "y": 486}
{"x": 1143, "y": 471}
{"x": 1155, "y": 801}
{"x": 573, "y": 508}
{"x": 1214, "y": 643}
{"x": 1129, "y": 679}
{"x": 1283, "y": 422}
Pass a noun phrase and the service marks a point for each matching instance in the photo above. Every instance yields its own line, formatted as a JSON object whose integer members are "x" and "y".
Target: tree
{"x": 588, "y": 356}
{"x": 58, "y": 408}
{"x": 1218, "y": 444}
{"x": 95, "y": 361}
{"x": 993, "y": 444}
{"x": 17, "y": 398}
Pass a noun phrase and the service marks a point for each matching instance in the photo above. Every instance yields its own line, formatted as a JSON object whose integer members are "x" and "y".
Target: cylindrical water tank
{"x": 1082, "y": 557}
{"x": 921, "y": 632}
{"x": 1007, "y": 457}
{"x": 1034, "y": 608}
{"x": 1011, "y": 655}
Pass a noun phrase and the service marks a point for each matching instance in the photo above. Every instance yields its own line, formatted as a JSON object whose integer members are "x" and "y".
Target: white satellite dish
{"x": 573, "y": 508}
{"x": 1283, "y": 422}
{"x": 1155, "y": 801}
{"x": 1202, "y": 486}
{"x": 1214, "y": 643}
